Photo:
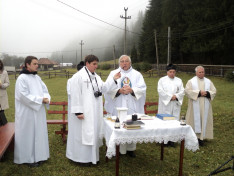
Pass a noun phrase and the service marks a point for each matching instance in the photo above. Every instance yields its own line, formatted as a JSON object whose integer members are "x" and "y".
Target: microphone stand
{"x": 218, "y": 170}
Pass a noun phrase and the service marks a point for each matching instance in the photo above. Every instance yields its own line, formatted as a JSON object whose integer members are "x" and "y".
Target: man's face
{"x": 171, "y": 73}
{"x": 124, "y": 63}
{"x": 33, "y": 66}
{"x": 92, "y": 66}
{"x": 200, "y": 73}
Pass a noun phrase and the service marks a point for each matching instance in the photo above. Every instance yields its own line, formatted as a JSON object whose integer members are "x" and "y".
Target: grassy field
{"x": 147, "y": 163}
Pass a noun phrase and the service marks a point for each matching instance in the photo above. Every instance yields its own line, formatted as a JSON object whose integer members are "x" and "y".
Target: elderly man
{"x": 31, "y": 134}
{"x": 171, "y": 93}
{"x": 200, "y": 91}
{"x": 131, "y": 93}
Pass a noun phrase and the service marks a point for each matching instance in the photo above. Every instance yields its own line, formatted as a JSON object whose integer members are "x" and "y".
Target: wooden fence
{"x": 52, "y": 74}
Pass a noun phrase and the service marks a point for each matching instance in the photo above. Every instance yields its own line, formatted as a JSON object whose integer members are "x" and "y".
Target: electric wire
{"x": 95, "y": 17}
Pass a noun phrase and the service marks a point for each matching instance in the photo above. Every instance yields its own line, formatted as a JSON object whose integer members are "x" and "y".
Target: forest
{"x": 202, "y": 32}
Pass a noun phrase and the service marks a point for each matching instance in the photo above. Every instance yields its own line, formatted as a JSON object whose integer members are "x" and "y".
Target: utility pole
{"x": 156, "y": 47}
{"x": 169, "y": 46}
{"x": 81, "y": 43}
{"x": 114, "y": 56}
{"x": 62, "y": 60}
{"x": 76, "y": 58}
{"x": 125, "y": 29}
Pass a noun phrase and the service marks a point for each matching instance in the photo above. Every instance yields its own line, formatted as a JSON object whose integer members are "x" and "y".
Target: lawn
{"x": 147, "y": 163}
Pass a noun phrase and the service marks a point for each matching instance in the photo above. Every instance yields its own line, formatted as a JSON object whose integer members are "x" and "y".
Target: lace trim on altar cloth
{"x": 189, "y": 143}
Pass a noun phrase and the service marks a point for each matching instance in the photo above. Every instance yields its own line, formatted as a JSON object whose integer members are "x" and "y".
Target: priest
{"x": 171, "y": 93}
{"x": 85, "y": 132}
{"x": 201, "y": 92}
{"x": 130, "y": 93}
{"x": 31, "y": 134}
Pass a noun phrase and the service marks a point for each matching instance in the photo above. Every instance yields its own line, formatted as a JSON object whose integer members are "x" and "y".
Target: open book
{"x": 145, "y": 117}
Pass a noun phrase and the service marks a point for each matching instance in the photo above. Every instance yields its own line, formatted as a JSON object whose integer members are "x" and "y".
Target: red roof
{"x": 46, "y": 61}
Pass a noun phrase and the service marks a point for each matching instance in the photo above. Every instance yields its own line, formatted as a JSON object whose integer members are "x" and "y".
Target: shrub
{"x": 229, "y": 76}
{"x": 136, "y": 66}
{"x": 146, "y": 66}
{"x": 105, "y": 66}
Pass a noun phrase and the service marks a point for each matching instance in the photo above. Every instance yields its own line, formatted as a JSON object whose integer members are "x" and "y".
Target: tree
{"x": 202, "y": 32}
{"x": 134, "y": 54}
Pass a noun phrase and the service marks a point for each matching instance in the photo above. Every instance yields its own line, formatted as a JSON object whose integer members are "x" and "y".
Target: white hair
{"x": 198, "y": 67}
{"x": 125, "y": 56}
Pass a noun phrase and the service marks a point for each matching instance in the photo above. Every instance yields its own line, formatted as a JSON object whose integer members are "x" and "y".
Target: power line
{"x": 95, "y": 17}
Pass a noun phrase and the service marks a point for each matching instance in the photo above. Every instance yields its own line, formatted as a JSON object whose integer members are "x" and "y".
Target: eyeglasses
{"x": 122, "y": 61}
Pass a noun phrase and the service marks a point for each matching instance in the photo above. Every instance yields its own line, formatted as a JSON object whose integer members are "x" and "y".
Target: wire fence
{"x": 212, "y": 70}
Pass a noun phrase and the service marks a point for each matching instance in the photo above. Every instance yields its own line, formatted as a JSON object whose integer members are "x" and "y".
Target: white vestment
{"x": 167, "y": 87}
{"x": 199, "y": 113}
{"x": 31, "y": 134}
{"x": 135, "y": 104}
{"x": 85, "y": 136}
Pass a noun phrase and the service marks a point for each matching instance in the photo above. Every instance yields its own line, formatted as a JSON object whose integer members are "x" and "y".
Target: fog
{"x": 54, "y": 28}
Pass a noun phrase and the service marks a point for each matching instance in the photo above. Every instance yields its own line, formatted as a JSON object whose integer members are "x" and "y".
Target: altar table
{"x": 155, "y": 130}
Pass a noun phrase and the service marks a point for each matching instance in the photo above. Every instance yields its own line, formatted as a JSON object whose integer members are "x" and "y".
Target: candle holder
{"x": 182, "y": 121}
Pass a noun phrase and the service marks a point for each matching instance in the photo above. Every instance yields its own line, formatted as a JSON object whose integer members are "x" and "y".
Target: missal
{"x": 165, "y": 116}
{"x": 130, "y": 125}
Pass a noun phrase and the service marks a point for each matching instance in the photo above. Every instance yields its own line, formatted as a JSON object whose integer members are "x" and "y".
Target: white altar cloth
{"x": 153, "y": 131}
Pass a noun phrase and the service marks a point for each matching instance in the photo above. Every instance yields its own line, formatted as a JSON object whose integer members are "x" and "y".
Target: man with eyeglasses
{"x": 131, "y": 93}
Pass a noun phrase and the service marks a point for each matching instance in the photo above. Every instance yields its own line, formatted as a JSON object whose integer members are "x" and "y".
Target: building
{"x": 46, "y": 64}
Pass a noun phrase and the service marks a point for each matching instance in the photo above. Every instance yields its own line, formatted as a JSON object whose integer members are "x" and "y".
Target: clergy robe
{"x": 199, "y": 113}
{"x": 85, "y": 136}
{"x": 31, "y": 134}
{"x": 135, "y": 104}
{"x": 167, "y": 87}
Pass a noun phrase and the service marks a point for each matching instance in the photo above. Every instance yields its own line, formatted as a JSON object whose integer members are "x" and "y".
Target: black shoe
{"x": 120, "y": 154}
{"x": 85, "y": 164}
{"x": 171, "y": 144}
{"x": 33, "y": 164}
{"x": 98, "y": 162}
{"x": 40, "y": 162}
{"x": 201, "y": 142}
{"x": 131, "y": 154}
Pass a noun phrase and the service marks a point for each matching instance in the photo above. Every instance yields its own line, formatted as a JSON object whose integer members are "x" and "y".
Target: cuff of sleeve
{"x": 199, "y": 94}
{"x": 207, "y": 94}
{"x": 117, "y": 94}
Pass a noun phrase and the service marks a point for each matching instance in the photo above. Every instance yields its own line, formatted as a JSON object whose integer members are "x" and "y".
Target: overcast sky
{"x": 39, "y": 27}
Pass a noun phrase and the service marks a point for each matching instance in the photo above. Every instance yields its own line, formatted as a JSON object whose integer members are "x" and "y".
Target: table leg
{"x": 181, "y": 158}
{"x": 106, "y": 156}
{"x": 117, "y": 161}
{"x": 162, "y": 151}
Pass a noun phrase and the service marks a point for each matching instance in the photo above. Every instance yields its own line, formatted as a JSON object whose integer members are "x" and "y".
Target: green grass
{"x": 147, "y": 163}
